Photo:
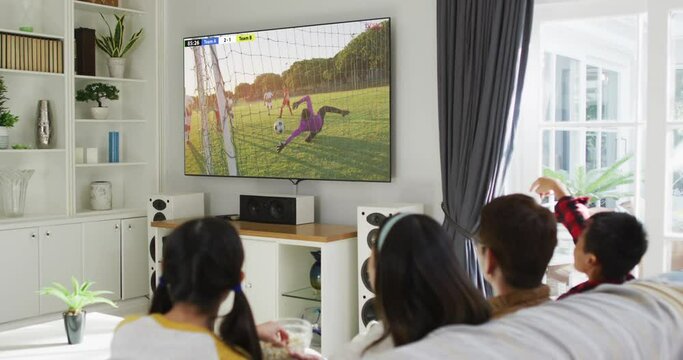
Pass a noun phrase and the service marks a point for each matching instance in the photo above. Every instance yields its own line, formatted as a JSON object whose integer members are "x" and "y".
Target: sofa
{"x": 639, "y": 320}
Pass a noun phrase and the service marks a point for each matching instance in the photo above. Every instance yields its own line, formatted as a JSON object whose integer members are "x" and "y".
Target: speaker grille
{"x": 368, "y": 314}
{"x": 375, "y": 219}
{"x": 365, "y": 276}
{"x": 159, "y": 204}
{"x": 159, "y": 217}
{"x": 153, "y": 249}
{"x": 372, "y": 237}
{"x": 153, "y": 281}
{"x": 268, "y": 209}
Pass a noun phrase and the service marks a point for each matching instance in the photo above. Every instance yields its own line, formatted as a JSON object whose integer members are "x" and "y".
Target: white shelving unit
{"x": 60, "y": 187}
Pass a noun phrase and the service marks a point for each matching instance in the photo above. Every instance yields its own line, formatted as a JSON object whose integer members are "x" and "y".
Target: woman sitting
{"x": 202, "y": 264}
{"x": 419, "y": 286}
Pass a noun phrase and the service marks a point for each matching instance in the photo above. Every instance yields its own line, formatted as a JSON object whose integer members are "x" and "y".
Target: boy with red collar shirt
{"x": 608, "y": 245}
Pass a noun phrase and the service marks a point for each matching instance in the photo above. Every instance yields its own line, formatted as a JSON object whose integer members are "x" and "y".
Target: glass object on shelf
{"x": 13, "y": 185}
{"x": 314, "y": 275}
{"x": 304, "y": 294}
{"x": 28, "y": 15}
{"x": 675, "y": 167}
{"x": 313, "y": 315}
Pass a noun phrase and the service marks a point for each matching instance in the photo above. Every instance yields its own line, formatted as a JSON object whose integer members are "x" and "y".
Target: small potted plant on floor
{"x": 80, "y": 297}
{"x": 97, "y": 92}
{"x": 113, "y": 45}
{"x": 7, "y": 120}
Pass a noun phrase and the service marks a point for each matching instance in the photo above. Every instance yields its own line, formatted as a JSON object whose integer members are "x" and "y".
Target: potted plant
{"x": 7, "y": 120}
{"x": 113, "y": 45}
{"x": 80, "y": 297}
{"x": 597, "y": 184}
{"x": 97, "y": 92}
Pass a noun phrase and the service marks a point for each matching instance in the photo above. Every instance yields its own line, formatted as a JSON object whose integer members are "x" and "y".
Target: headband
{"x": 387, "y": 226}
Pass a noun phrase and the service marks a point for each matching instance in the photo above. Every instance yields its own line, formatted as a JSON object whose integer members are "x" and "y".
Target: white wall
{"x": 415, "y": 144}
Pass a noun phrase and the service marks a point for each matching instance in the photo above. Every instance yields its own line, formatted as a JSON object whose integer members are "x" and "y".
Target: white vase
{"x": 117, "y": 67}
{"x": 100, "y": 195}
{"x": 99, "y": 113}
{"x": 4, "y": 137}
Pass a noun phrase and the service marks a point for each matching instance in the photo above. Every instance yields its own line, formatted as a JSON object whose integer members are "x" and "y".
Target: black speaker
{"x": 293, "y": 210}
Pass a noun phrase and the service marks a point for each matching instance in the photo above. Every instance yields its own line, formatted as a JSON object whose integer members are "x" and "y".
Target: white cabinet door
{"x": 102, "y": 256}
{"x": 19, "y": 274}
{"x": 134, "y": 258}
{"x": 260, "y": 278}
{"x": 61, "y": 257}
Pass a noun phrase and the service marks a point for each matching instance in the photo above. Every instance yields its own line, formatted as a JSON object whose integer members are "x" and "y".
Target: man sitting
{"x": 516, "y": 242}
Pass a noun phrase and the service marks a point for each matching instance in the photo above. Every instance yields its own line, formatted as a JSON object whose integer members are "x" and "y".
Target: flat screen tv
{"x": 307, "y": 102}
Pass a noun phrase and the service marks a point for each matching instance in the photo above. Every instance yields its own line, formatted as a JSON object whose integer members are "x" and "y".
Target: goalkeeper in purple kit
{"x": 310, "y": 121}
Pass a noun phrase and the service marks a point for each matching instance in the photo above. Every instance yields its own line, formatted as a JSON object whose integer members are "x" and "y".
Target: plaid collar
{"x": 592, "y": 284}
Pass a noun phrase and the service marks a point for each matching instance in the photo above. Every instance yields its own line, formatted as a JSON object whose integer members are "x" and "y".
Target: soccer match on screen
{"x": 309, "y": 102}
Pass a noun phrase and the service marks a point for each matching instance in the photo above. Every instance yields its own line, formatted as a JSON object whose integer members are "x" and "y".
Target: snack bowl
{"x": 300, "y": 333}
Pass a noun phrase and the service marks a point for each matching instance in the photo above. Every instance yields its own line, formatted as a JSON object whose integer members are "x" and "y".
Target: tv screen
{"x": 308, "y": 102}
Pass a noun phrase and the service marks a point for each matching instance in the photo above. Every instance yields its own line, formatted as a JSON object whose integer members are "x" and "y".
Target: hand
{"x": 543, "y": 186}
{"x": 272, "y": 333}
{"x": 295, "y": 105}
{"x": 279, "y": 147}
{"x": 344, "y": 113}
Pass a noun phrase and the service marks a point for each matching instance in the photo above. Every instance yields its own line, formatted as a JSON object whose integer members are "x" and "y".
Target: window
{"x": 584, "y": 119}
{"x": 674, "y": 129}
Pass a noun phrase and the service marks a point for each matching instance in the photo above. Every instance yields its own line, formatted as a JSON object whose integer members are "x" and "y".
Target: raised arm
{"x": 570, "y": 211}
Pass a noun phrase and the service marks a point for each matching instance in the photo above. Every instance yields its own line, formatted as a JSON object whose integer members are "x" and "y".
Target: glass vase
{"x": 314, "y": 274}
{"x": 13, "y": 184}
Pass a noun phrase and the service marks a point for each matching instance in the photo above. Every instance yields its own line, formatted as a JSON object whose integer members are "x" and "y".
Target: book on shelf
{"x": 31, "y": 53}
{"x": 85, "y": 51}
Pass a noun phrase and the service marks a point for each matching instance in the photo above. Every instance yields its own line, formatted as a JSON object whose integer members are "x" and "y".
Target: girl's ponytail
{"x": 161, "y": 301}
{"x": 238, "y": 326}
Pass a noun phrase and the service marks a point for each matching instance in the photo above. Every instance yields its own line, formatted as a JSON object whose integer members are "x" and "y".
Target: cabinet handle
{"x": 249, "y": 285}
{"x": 47, "y": 233}
{"x": 116, "y": 226}
{"x": 33, "y": 236}
{"x": 130, "y": 227}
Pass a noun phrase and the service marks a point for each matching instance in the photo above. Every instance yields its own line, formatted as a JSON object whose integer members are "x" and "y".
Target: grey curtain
{"x": 482, "y": 53}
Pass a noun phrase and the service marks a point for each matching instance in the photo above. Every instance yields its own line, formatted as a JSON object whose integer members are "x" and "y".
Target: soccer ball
{"x": 279, "y": 126}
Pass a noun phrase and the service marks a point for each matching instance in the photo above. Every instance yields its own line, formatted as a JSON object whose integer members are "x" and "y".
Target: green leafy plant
{"x": 80, "y": 297}
{"x": 113, "y": 44}
{"x": 6, "y": 117}
{"x": 596, "y": 184}
{"x": 21, "y": 147}
{"x": 97, "y": 92}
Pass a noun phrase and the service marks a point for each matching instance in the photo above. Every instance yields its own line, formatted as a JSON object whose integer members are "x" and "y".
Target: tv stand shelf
{"x": 276, "y": 269}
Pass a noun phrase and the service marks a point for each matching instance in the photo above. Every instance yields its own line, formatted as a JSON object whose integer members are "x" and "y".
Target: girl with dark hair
{"x": 419, "y": 286}
{"x": 202, "y": 264}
